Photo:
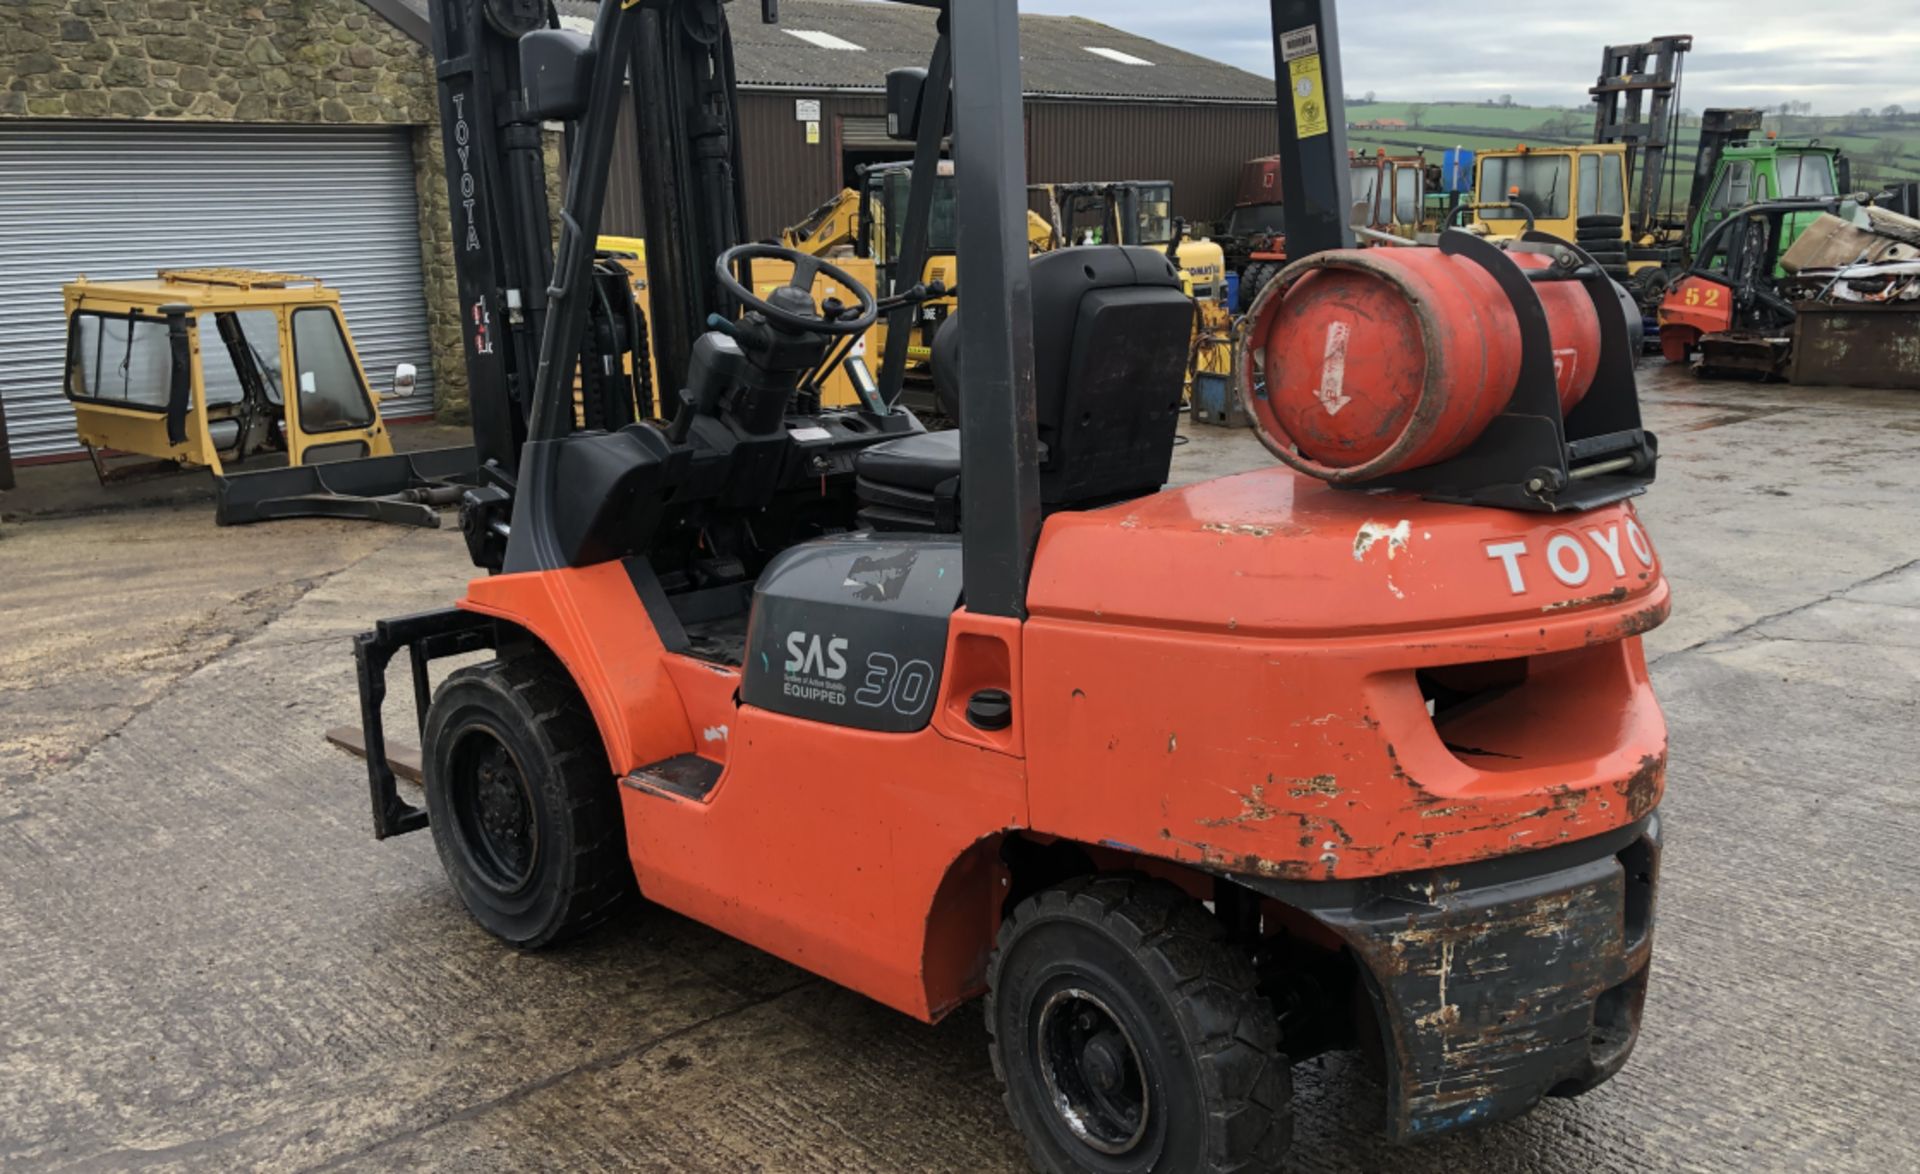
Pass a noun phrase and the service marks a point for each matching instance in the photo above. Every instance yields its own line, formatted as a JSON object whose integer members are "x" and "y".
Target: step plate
{"x": 684, "y": 776}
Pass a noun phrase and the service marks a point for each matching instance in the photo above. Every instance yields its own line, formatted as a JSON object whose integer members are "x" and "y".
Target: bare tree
{"x": 1416, "y": 115}
{"x": 1893, "y": 111}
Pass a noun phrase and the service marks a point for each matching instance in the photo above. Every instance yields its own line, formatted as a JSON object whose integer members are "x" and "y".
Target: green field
{"x": 1883, "y": 150}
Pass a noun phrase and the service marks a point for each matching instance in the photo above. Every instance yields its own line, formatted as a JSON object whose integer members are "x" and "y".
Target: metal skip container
{"x": 1857, "y": 344}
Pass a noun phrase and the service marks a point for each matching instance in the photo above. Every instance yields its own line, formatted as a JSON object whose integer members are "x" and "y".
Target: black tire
{"x": 1253, "y": 280}
{"x": 1650, "y": 285}
{"x": 1121, "y": 997}
{"x": 524, "y": 809}
{"x": 1608, "y": 256}
{"x": 1599, "y": 236}
{"x": 1619, "y": 273}
{"x": 1600, "y": 220}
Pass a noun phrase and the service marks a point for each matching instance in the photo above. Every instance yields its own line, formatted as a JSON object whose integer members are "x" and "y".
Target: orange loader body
{"x": 1223, "y": 675}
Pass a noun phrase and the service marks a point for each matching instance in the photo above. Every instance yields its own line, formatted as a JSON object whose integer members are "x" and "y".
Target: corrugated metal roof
{"x": 1055, "y": 53}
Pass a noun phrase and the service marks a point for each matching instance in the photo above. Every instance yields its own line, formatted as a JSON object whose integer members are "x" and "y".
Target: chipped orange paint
{"x": 1178, "y": 688}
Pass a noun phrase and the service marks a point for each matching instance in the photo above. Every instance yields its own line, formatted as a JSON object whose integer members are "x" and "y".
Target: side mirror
{"x": 404, "y": 378}
{"x": 906, "y": 93}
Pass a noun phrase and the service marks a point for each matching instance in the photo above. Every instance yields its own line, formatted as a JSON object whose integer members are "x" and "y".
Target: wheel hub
{"x": 495, "y": 811}
{"x": 1104, "y": 1062}
{"x": 1093, "y": 1072}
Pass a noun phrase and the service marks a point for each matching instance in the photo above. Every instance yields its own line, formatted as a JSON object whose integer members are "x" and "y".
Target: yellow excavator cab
{"x": 1559, "y": 185}
{"x": 206, "y": 367}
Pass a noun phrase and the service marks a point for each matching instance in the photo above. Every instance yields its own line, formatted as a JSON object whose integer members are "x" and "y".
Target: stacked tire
{"x": 1602, "y": 238}
{"x": 1254, "y": 278}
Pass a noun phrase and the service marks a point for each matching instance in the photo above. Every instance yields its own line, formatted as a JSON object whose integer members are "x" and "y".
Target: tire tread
{"x": 1214, "y": 995}
{"x": 600, "y": 881}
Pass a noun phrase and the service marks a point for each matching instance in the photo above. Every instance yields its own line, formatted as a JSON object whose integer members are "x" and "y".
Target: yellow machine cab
{"x": 210, "y": 367}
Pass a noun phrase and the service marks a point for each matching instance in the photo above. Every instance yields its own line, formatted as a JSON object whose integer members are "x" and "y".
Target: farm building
{"x": 1101, "y": 104}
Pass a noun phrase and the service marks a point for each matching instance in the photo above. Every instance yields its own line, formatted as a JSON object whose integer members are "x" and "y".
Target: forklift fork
{"x": 425, "y": 637}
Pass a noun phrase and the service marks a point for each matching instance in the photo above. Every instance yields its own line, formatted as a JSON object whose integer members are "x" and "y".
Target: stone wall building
{"x": 300, "y": 135}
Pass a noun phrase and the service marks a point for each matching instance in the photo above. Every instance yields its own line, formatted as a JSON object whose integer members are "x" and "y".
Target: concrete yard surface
{"x": 206, "y": 961}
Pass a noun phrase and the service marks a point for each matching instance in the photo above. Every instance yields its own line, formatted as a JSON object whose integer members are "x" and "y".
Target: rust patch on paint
{"x": 1242, "y": 862}
{"x": 1254, "y": 808}
{"x": 1314, "y": 785}
{"x": 1617, "y": 595}
{"x": 1642, "y": 788}
{"x": 1247, "y": 531}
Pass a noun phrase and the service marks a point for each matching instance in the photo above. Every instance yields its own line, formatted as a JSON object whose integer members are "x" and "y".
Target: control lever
{"x": 918, "y": 294}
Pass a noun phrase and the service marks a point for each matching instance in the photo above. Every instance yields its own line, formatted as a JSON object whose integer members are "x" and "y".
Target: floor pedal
{"x": 684, "y": 776}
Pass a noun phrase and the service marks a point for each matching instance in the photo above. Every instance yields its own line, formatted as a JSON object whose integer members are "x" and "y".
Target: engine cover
{"x": 852, "y": 630}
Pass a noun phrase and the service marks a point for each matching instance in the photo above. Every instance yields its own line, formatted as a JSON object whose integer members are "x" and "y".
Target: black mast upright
{"x": 496, "y": 186}
{"x": 685, "y": 133}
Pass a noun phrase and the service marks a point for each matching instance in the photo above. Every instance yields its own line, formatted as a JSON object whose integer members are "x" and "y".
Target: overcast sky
{"x": 1839, "y": 56}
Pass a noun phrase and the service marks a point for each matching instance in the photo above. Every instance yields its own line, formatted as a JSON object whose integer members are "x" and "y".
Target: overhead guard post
{"x": 1000, "y": 478}
{"x": 1318, "y": 192}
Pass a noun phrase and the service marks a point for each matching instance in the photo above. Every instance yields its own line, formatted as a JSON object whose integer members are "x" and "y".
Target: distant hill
{"x": 1884, "y": 149}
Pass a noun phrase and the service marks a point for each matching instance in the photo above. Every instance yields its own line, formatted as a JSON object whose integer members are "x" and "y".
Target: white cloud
{"x": 1746, "y": 52}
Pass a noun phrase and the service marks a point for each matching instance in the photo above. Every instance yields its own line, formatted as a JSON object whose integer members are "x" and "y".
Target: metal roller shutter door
{"x": 124, "y": 200}
{"x": 860, "y": 132}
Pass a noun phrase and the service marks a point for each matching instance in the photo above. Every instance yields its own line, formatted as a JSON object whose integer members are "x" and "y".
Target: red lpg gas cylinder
{"x": 1376, "y": 361}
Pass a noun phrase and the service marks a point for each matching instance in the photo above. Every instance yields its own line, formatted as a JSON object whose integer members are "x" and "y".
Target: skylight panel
{"x": 1116, "y": 55}
{"x": 820, "y": 40}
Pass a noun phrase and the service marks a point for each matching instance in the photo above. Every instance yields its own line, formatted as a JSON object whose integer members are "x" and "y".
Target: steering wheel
{"x": 805, "y": 269}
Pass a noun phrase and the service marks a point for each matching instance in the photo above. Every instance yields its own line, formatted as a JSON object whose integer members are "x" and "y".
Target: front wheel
{"x": 524, "y": 809}
{"x": 1130, "y": 1038}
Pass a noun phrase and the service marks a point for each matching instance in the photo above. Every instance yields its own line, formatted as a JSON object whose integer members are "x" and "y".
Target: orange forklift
{"x": 1357, "y": 751}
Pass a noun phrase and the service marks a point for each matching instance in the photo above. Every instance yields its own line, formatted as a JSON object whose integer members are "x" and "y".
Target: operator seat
{"x": 1111, "y": 331}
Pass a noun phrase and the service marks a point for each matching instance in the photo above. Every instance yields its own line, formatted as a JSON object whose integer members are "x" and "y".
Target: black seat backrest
{"x": 1111, "y": 334}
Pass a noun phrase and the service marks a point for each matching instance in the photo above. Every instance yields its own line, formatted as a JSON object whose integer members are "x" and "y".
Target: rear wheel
{"x": 1129, "y": 1035}
{"x": 523, "y": 806}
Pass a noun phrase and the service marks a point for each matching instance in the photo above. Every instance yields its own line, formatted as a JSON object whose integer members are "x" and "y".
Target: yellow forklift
{"x": 210, "y": 368}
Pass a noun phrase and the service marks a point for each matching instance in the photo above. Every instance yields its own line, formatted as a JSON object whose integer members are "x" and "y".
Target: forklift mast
{"x": 1635, "y": 103}
{"x": 1719, "y": 129}
{"x": 506, "y": 68}
{"x": 496, "y": 187}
